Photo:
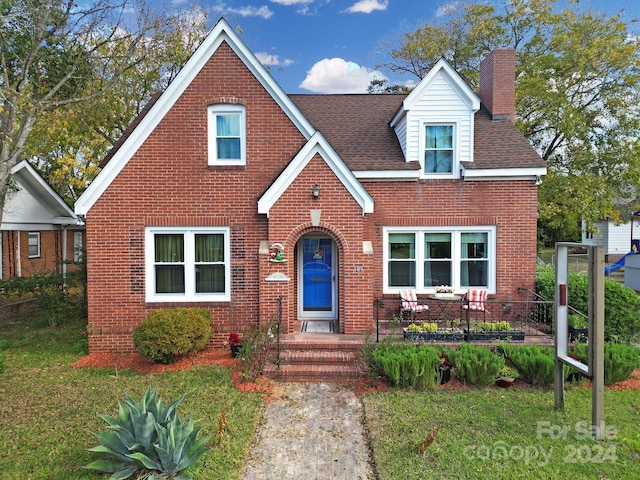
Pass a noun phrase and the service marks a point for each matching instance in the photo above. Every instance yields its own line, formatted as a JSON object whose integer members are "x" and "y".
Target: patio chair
{"x": 409, "y": 304}
{"x": 474, "y": 301}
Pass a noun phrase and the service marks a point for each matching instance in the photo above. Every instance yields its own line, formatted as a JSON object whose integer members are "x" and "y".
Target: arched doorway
{"x": 317, "y": 264}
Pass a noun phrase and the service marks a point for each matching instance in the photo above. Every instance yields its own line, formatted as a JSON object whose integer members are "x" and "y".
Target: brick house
{"x": 228, "y": 194}
{"x": 40, "y": 232}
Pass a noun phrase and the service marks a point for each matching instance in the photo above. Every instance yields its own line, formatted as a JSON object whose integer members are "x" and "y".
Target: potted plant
{"x": 506, "y": 377}
{"x": 444, "y": 291}
{"x": 444, "y": 370}
{"x": 235, "y": 342}
{"x": 578, "y": 328}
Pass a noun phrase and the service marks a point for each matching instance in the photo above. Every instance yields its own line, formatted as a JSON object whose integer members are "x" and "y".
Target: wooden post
{"x": 596, "y": 339}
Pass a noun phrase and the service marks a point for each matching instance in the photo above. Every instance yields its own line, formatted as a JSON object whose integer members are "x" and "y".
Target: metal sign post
{"x": 595, "y": 366}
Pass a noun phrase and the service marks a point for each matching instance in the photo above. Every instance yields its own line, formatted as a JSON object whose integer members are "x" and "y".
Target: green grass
{"x": 502, "y": 434}
{"x": 48, "y": 408}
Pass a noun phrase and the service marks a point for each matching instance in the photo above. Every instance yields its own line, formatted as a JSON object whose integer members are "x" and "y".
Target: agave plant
{"x": 148, "y": 439}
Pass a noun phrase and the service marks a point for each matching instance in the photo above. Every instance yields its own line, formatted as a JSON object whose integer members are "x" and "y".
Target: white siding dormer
{"x": 436, "y": 122}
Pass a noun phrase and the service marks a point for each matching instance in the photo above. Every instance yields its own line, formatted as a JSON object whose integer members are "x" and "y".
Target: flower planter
{"x": 444, "y": 295}
{"x": 235, "y": 351}
{"x": 445, "y": 374}
{"x": 432, "y": 336}
{"x": 504, "y": 335}
{"x": 578, "y": 334}
{"x": 505, "y": 382}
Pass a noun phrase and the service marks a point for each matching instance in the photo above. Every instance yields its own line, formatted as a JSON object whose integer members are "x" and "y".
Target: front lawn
{"x": 49, "y": 408}
{"x": 502, "y": 434}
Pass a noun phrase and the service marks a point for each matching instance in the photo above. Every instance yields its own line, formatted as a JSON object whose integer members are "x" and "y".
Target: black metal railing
{"x": 532, "y": 315}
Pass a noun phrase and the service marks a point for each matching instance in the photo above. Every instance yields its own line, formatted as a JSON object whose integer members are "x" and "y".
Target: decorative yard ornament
{"x": 276, "y": 253}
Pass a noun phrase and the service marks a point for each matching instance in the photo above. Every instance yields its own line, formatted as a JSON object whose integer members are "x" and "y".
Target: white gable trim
{"x": 45, "y": 193}
{"x": 316, "y": 144}
{"x": 453, "y": 79}
{"x": 222, "y": 32}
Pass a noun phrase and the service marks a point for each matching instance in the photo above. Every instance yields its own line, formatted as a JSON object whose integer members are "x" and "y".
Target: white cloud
{"x": 368, "y": 6}
{"x": 336, "y": 75}
{"x": 269, "y": 60}
{"x": 223, "y": 9}
{"x": 447, "y": 9}
{"x": 291, "y": 2}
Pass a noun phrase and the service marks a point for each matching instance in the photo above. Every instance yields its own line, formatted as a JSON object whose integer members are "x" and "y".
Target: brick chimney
{"x": 498, "y": 83}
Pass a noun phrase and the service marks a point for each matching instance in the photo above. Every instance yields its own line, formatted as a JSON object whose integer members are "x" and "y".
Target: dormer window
{"x": 438, "y": 149}
{"x": 227, "y": 135}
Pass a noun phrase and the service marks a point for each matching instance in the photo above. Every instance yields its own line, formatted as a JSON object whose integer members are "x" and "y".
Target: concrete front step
{"x": 318, "y": 358}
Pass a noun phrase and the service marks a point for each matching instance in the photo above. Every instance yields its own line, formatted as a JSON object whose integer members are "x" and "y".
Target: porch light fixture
{"x": 538, "y": 181}
{"x": 316, "y": 191}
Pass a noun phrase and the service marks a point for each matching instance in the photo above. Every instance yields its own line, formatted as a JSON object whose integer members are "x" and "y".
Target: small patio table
{"x": 448, "y": 307}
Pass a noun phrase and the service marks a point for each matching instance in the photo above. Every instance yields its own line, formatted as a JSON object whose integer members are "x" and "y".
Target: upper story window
{"x": 227, "y": 135}
{"x": 438, "y": 149}
{"x": 34, "y": 244}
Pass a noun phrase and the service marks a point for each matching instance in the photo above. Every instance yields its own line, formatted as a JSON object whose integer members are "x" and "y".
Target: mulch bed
{"x": 223, "y": 358}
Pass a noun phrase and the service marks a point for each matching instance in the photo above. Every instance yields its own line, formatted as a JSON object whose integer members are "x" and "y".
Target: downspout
{"x": 64, "y": 253}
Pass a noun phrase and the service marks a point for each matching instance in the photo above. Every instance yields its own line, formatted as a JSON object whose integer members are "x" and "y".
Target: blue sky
{"x": 330, "y": 46}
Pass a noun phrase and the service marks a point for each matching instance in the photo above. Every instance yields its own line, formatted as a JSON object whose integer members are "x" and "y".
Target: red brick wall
{"x": 510, "y": 206}
{"x": 168, "y": 182}
{"x": 51, "y": 246}
{"x": 497, "y": 81}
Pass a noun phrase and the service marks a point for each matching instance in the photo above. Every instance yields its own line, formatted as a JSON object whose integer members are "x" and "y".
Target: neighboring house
{"x": 229, "y": 194}
{"x": 617, "y": 240}
{"x": 40, "y": 232}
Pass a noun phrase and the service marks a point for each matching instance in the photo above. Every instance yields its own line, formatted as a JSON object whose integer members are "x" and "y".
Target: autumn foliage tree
{"x": 577, "y": 96}
{"x": 56, "y": 55}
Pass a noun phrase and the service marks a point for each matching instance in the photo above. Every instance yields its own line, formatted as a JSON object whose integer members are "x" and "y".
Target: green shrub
{"x": 535, "y": 363}
{"x": 148, "y": 440}
{"x": 409, "y": 366}
{"x": 166, "y": 335}
{"x": 620, "y": 360}
{"x": 621, "y": 304}
{"x": 475, "y": 365}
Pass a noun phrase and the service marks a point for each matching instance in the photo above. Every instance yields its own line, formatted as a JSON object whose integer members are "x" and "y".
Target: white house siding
{"x": 401, "y": 133}
{"x": 615, "y": 238}
{"x": 440, "y": 104}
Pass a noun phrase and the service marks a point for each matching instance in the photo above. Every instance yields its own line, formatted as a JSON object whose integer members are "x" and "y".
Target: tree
{"x": 68, "y": 144}
{"x": 577, "y": 96}
{"x": 57, "y": 53}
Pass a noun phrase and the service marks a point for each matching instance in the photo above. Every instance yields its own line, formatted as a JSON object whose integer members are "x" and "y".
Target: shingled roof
{"x": 357, "y": 127}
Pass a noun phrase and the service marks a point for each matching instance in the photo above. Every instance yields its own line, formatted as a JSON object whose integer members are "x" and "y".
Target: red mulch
{"x": 136, "y": 362}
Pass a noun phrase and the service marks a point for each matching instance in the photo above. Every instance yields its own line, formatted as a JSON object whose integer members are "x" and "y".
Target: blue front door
{"x": 317, "y": 268}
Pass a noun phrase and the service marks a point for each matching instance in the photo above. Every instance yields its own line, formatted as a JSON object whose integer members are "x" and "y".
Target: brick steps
{"x": 326, "y": 358}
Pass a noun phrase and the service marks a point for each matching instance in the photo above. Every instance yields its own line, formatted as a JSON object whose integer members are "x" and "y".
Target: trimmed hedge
{"x": 168, "y": 334}
{"x": 620, "y": 360}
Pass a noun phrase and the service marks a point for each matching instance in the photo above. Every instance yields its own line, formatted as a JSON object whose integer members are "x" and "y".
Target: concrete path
{"x": 313, "y": 432}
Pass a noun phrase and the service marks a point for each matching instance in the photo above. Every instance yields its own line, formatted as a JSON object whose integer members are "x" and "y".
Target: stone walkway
{"x": 313, "y": 432}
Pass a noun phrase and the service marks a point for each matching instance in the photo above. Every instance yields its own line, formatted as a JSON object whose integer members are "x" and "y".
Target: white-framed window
{"x": 78, "y": 247}
{"x": 424, "y": 258}
{"x": 33, "y": 244}
{"x": 187, "y": 264}
{"x": 227, "y": 134}
{"x": 438, "y": 144}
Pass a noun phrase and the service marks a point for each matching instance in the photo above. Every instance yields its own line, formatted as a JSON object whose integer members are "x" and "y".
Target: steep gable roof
{"x": 145, "y": 124}
{"x": 35, "y": 204}
{"x": 317, "y": 144}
